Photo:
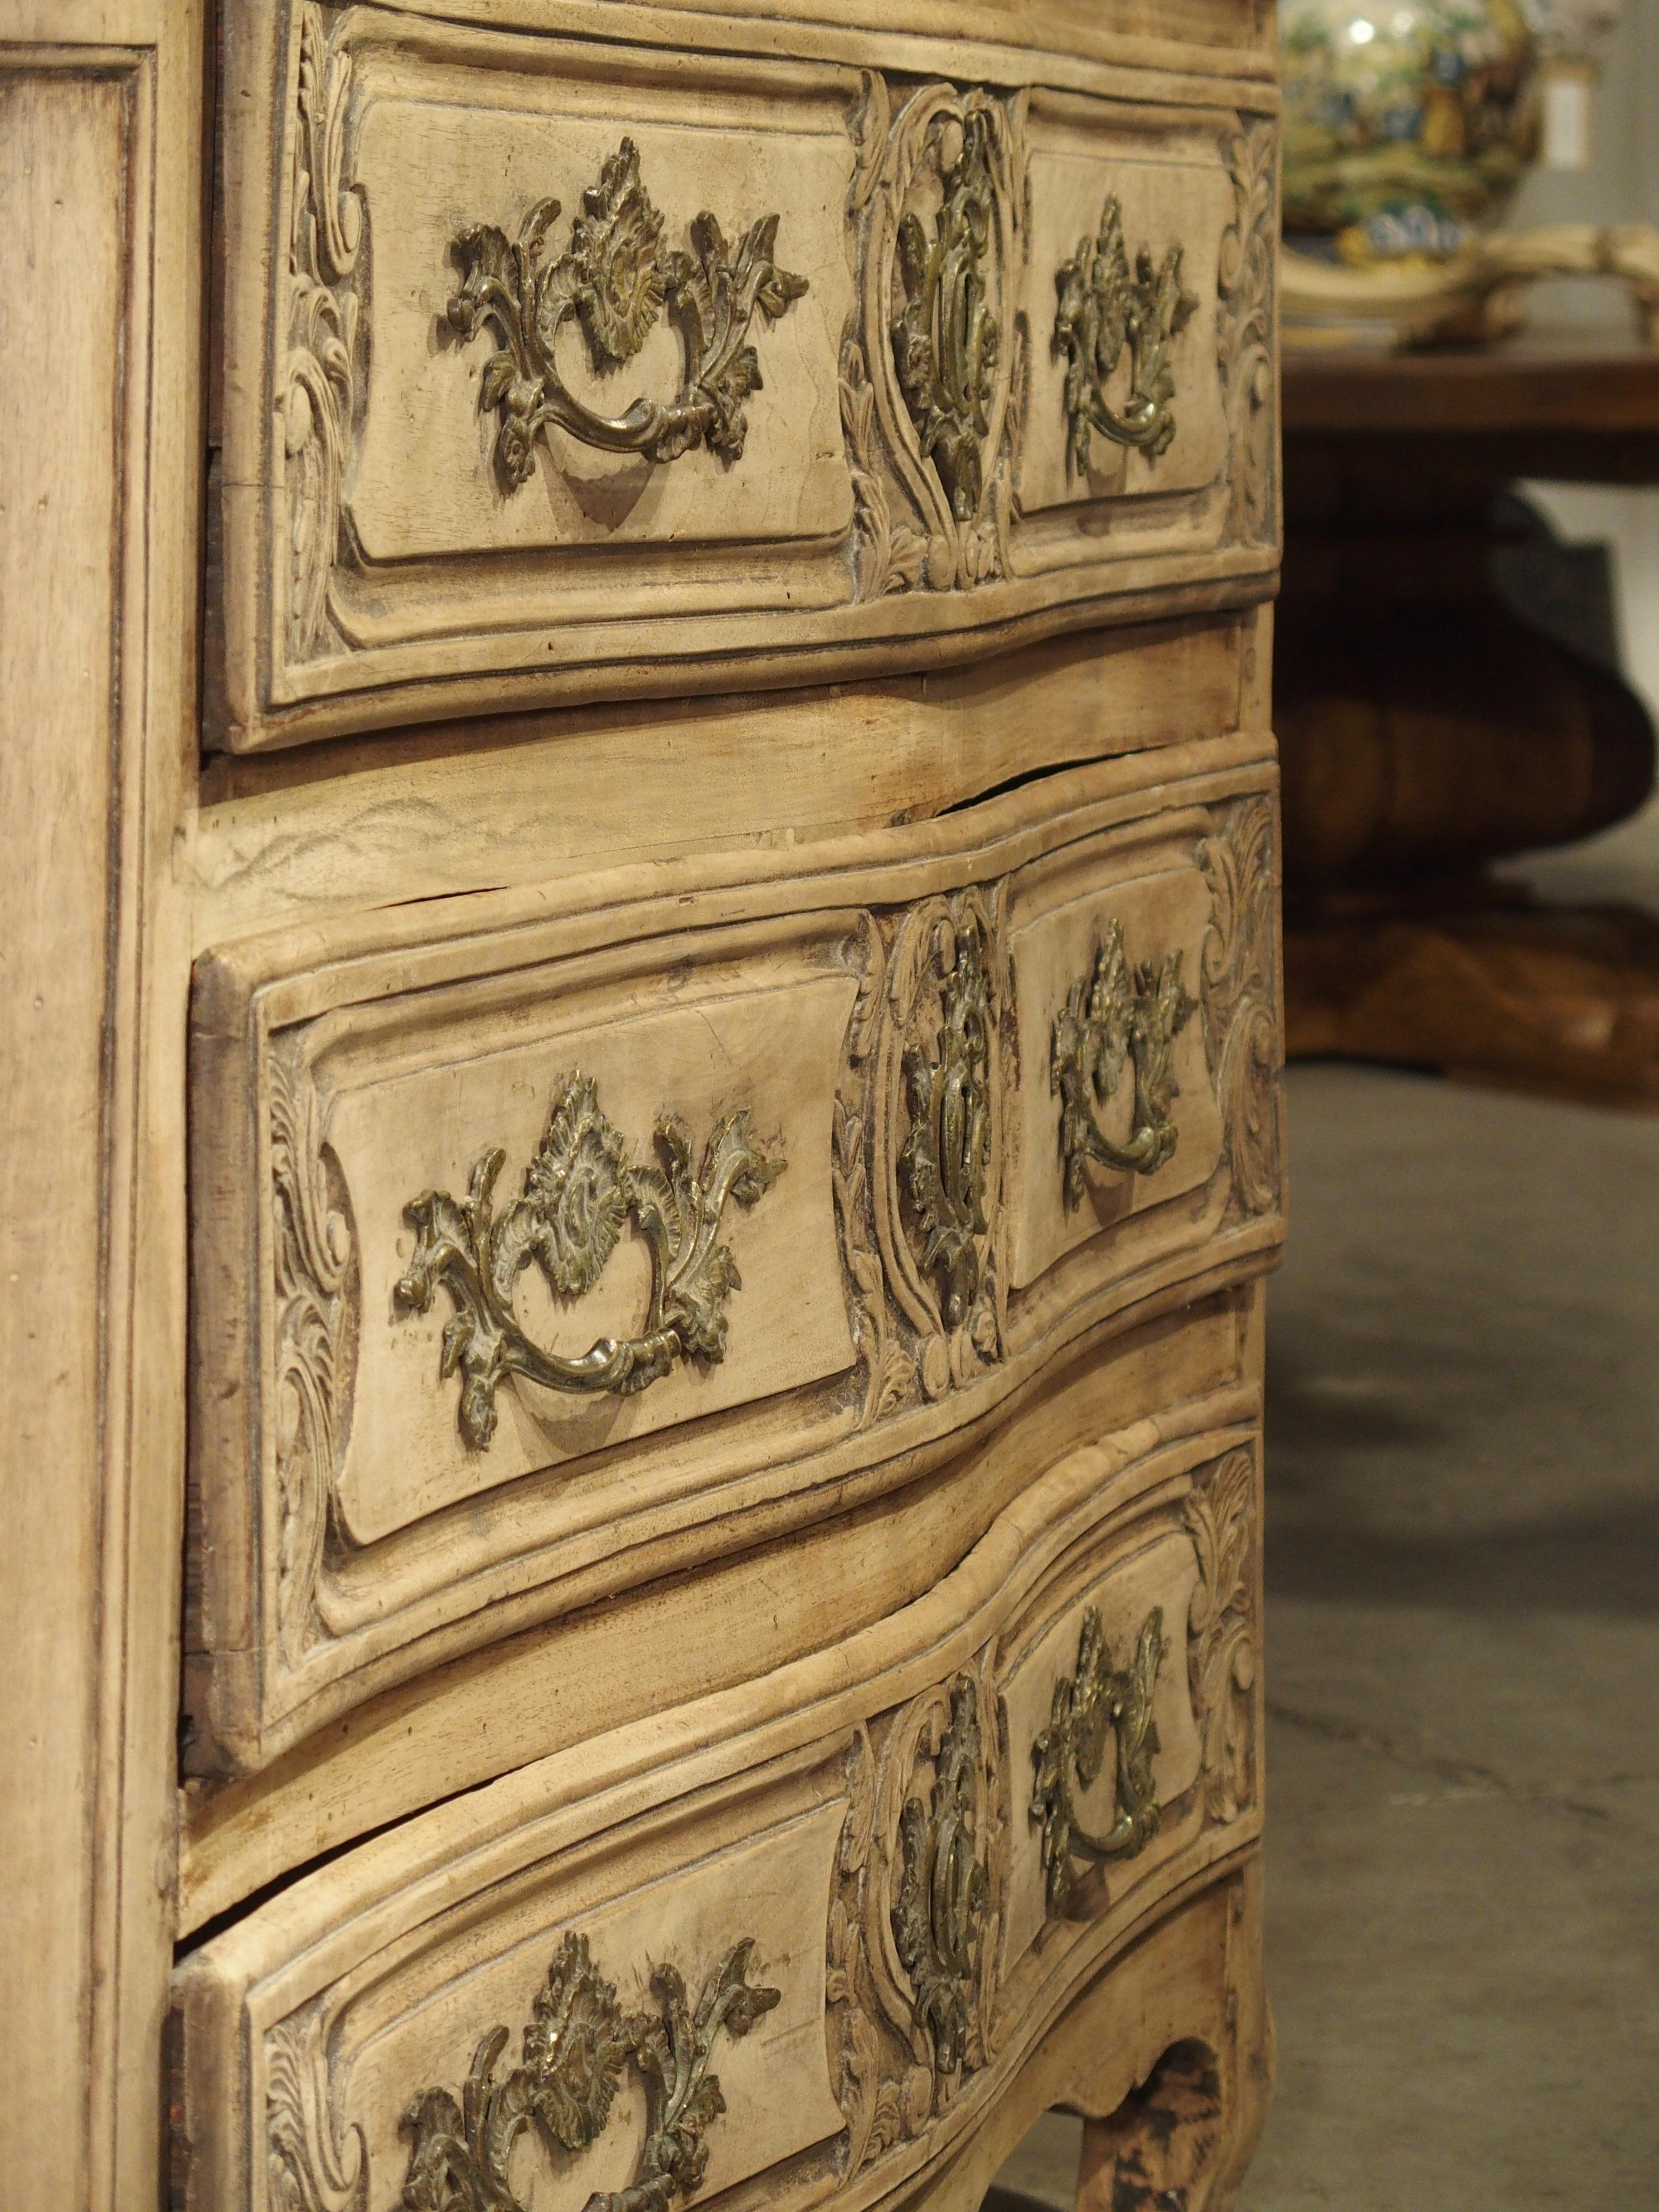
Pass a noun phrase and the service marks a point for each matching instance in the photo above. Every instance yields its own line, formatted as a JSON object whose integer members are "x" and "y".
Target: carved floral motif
{"x": 889, "y": 1371}
{"x": 614, "y": 279}
{"x": 946, "y": 339}
{"x": 938, "y": 1917}
{"x": 1249, "y": 250}
{"x": 1221, "y": 1519}
{"x": 318, "y": 387}
{"x": 946, "y": 1158}
{"x": 580, "y": 1190}
{"x": 1238, "y": 996}
{"x": 917, "y": 1913}
{"x": 933, "y": 388}
{"x": 314, "y": 1263}
{"x": 1105, "y": 308}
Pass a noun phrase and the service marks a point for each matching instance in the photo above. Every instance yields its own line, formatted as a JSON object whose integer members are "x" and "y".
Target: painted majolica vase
{"x": 1408, "y": 123}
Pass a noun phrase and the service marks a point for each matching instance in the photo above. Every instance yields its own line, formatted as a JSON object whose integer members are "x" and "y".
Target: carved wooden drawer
{"x": 808, "y": 1929}
{"x": 550, "y": 1244}
{"x": 652, "y": 356}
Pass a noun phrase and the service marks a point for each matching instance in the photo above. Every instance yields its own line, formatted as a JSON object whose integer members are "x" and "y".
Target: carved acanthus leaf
{"x": 315, "y": 1282}
{"x": 930, "y": 411}
{"x": 941, "y": 1911}
{"x": 946, "y": 1158}
{"x": 890, "y": 1370}
{"x": 891, "y": 555}
{"x": 1238, "y": 993}
{"x": 938, "y": 1086}
{"x": 319, "y": 387}
{"x": 1221, "y": 1519}
{"x": 307, "y": 2169}
{"x": 1250, "y": 251}
{"x": 917, "y": 1913}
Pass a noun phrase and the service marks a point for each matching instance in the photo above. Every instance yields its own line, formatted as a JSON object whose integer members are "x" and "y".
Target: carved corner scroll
{"x": 931, "y": 392}
{"x": 317, "y": 1314}
{"x": 580, "y": 1190}
{"x": 1098, "y": 1701}
{"x": 1250, "y": 259}
{"x": 1105, "y": 308}
{"x": 1239, "y": 993}
{"x": 576, "y": 2045}
{"x": 1116, "y": 1014}
{"x": 615, "y": 280}
{"x": 319, "y": 390}
{"x": 916, "y": 1922}
{"x": 1221, "y": 1519}
{"x": 308, "y": 2168}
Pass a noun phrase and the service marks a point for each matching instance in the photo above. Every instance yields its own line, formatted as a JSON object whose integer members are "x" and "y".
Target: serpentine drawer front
{"x": 807, "y": 1930}
{"x": 581, "y": 369}
{"x": 543, "y": 1254}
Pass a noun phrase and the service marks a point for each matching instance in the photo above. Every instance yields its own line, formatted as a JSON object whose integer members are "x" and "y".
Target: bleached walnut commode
{"x": 706, "y": 983}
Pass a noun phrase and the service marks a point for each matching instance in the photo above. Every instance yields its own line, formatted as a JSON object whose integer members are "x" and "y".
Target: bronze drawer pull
{"x": 1103, "y": 307}
{"x": 1115, "y": 1013}
{"x": 580, "y": 1190}
{"x": 1097, "y": 1700}
{"x": 614, "y": 279}
{"x": 575, "y": 2046}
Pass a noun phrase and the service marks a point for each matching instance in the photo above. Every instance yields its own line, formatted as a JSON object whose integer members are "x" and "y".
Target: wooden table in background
{"x": 1429, "y": 729}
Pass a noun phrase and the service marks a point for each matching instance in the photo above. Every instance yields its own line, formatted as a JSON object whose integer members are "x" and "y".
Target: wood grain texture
{"x": 503, "y": 802}
{"x": 97, "y": 607}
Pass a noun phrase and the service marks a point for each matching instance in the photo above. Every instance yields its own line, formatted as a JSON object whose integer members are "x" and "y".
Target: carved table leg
{"x": 1167, "y": 2057}
{"x": 1180, "y": 2140}
{"x": 1426, "y": 731}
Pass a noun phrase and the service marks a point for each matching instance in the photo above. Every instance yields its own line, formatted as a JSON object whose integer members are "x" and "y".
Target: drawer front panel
{"x": 589, "y": 369}
{"x": 419, "y": 1092}
{"x": 827, "y": 1888}
{"x": 539, "y": 1257}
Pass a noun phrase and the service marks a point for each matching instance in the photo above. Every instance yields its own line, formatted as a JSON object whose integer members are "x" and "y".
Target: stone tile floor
{"x": 1464, "y": 1660}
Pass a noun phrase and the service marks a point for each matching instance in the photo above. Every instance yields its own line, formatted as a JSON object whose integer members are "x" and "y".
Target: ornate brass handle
{"x": 1113, "y": 1014}
{"x": 575, "y": 2046}
{"x": 1102, "y": 308}
{"x": 578, "y": 1191}
{"x": 614, "y": 279}
{"x": 1098, "y": 1701}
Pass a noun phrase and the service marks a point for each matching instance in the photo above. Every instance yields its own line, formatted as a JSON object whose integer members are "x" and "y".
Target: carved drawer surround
{"x": 869, "y": 1216}
{"x": 579, "y": 375}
